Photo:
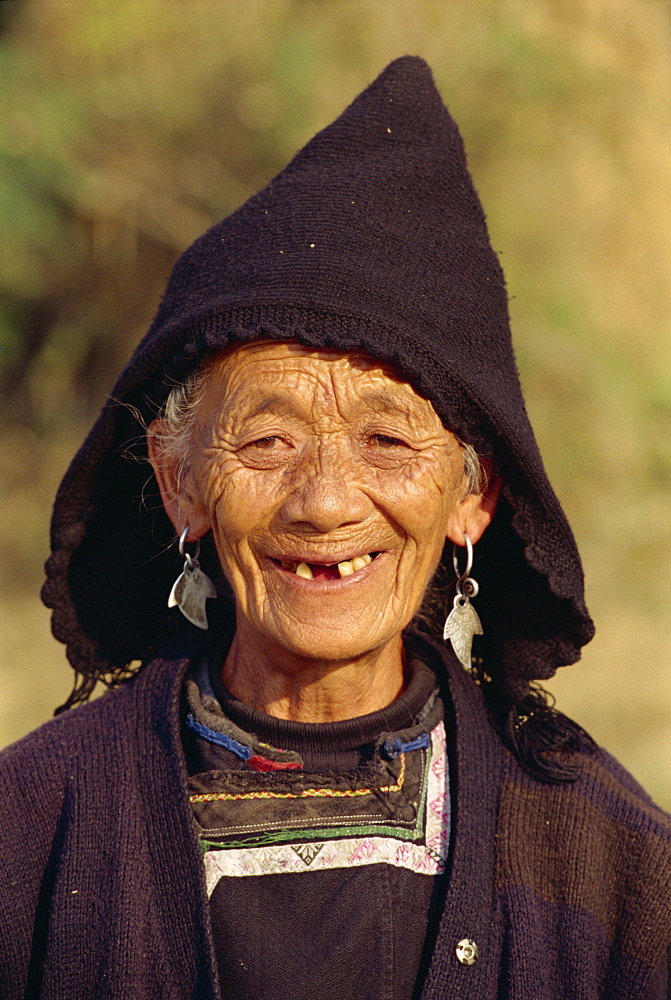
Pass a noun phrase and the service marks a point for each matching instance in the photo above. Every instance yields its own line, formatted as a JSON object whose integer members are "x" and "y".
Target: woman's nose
{"x": 327, "y": 495}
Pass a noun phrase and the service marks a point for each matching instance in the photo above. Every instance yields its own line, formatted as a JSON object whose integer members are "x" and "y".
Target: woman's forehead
{"x": 290, "y": 354}
{"x": 285, "y": 377}
{"x": 296, "y": 366}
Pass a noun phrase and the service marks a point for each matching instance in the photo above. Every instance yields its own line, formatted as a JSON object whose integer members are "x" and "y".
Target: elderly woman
{"x": 324, "y": 770}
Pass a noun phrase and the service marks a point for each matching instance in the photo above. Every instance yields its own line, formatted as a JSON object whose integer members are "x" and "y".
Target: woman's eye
{"x": 270, "y": 443}
{"x": 386, "y": 441}
{"x": 267, "y": 452}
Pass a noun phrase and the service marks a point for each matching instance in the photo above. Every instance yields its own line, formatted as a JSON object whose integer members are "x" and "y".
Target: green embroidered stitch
{"x": 286, "y": 836}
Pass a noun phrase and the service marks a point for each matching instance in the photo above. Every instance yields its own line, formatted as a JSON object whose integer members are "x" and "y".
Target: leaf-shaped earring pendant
{"x": 463, "y": 622}
{"x": 192, "y": 587}
{"x": 461, "y": 625}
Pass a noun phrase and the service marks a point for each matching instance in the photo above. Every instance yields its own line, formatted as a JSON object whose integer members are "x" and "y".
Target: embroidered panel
{"x": 400, "y": 817}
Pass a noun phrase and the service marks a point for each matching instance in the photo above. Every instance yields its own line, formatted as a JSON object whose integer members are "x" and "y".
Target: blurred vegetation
{"x": 127, "y": 128}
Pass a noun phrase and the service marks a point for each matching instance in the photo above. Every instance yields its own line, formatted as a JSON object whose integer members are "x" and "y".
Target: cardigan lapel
{"x": 176, "y": 857}
{"x": 469, "y": 913}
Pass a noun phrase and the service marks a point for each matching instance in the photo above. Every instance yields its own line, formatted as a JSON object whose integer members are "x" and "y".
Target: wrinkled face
{"x": 328, "y": 483}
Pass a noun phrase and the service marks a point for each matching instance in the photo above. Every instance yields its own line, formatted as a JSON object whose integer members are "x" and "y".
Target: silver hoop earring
{"x": 192, "y": 587}
{"x": 463, "y": 622}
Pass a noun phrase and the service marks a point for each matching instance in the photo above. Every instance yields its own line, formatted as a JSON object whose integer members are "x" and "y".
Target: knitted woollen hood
{"x": 372, "y": 238}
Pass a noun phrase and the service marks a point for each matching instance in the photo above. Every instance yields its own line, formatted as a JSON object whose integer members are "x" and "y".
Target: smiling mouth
{"x": 333, "y": 571}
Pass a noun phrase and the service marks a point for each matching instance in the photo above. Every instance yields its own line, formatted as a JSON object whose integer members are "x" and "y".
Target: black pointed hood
{"x": 371, "y": 238}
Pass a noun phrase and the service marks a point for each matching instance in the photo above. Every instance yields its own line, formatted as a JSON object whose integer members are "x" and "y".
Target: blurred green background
{"x": 129, "y": 126}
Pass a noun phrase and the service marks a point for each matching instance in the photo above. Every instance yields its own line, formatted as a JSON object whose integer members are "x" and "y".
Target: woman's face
{"x": 329, "y": 485}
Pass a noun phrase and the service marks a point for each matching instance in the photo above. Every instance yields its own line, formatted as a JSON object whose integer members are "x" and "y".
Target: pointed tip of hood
{"x": 403, "y": 95}
{"x": 407, "y": 73}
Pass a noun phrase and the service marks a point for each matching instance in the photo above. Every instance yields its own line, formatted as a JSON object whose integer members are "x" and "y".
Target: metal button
{"x": 466, "y": 952}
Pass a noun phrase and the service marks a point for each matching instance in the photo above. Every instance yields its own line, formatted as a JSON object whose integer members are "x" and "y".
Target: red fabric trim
{"x": 260, "y": 763}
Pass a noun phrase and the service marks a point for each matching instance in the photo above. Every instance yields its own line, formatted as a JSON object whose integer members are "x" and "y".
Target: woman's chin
{"x": 324, "y": 638}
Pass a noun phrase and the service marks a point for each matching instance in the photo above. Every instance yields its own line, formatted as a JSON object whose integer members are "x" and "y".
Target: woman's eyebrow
{"x": 277, "y": 404}
{"x": 387, "y": 401}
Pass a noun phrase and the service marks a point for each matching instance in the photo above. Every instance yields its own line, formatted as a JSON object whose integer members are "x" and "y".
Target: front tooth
{"x": 345, "y": 568}
{"x": 359, "y": 562}
{"x": 304, "y": 570}
{"x": 367, "y": 559}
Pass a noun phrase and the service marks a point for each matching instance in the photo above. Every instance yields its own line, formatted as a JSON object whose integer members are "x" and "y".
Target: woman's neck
{"x": 300, "y": 689}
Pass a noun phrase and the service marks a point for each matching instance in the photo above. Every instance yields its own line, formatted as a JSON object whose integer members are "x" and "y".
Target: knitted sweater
{"x": 565, "y": 890}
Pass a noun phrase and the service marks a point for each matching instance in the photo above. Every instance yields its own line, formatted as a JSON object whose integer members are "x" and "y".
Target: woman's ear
{"x": 474, "y": 513}
{"x": 182, "y": 507}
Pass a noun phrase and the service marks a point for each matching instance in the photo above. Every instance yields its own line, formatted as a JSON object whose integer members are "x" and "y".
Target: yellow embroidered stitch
{"x": 308, "y": 793}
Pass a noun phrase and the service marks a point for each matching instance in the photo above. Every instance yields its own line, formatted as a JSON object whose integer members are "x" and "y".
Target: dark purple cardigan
{"x": 566, "y": 890}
